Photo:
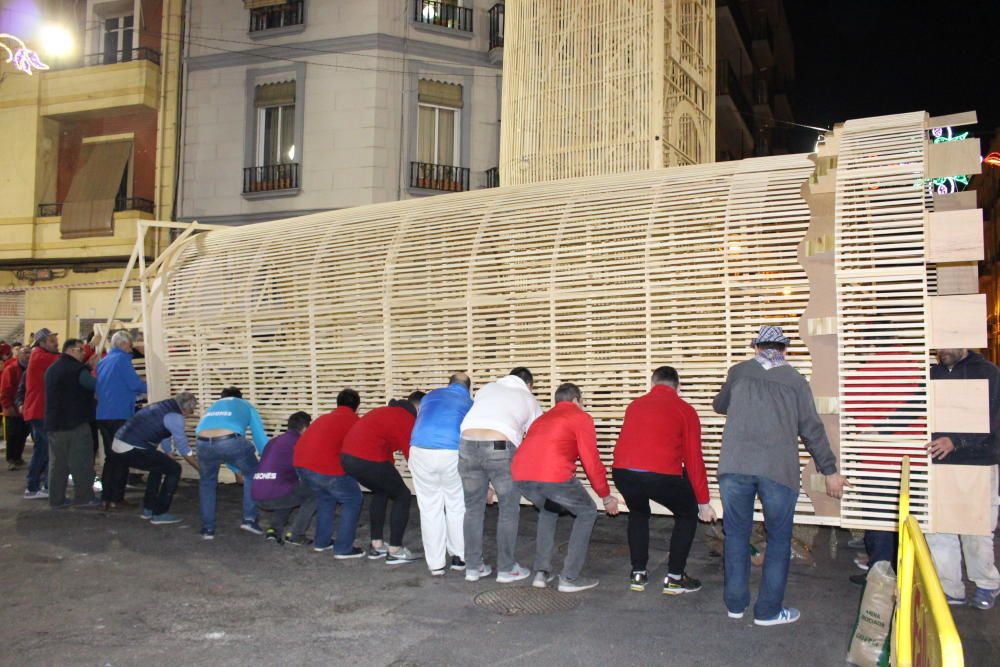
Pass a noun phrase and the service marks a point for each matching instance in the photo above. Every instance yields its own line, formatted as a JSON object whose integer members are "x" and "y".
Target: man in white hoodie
{"x": 491, "y": 431}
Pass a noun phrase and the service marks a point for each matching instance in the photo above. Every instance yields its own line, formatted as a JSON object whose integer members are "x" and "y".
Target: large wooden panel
{"x": 955, "y": 236}
{"x": 957, "y": 321}
{"x": 959, "y": 406}
{"x": 962, "y": 499}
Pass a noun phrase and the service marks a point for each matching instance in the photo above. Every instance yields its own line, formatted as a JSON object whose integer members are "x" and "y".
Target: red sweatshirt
{"x": 553, "y": 444}
{"x": 34, "y": 383}
{"x": 380, "y": 433}
{"x": 9, "y": 379}
{"x": 318, "y": 448}
{"x": 662, "y": 434}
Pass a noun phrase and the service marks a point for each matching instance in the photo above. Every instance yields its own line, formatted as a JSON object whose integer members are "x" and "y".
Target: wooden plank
{"x": 959, "y": 406}
{"x": 962, "y": 499}
{"x": 955, "y": 236}
{"x": 957, "y": 321}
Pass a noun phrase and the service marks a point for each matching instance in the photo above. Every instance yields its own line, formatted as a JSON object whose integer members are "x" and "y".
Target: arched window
{"x": 688, "y": 141}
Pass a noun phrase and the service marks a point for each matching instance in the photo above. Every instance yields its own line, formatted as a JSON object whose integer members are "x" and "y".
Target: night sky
{"x": 857, "y": 58}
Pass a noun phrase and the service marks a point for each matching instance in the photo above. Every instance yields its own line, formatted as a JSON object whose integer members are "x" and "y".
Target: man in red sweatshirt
{"x": 45, "y": 354}
{"x": 544, "y": 468}
{"x": 658, "y": 457}
{"x": 15, "y": 428}
{"x": 367, "y": 456}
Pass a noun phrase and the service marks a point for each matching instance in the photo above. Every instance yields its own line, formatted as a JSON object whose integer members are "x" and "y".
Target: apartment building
{"x": 90, "y": 149}
{"x": 296, "y": 106}
{"x": 754, "y": 71}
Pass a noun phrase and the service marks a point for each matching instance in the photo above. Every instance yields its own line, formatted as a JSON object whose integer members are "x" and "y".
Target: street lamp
{"x": 56, "y": 40}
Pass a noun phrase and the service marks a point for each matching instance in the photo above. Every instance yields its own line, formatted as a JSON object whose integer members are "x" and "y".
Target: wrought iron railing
{"x": 496, "y": 26}
{"x": 277, "y": 16}
{"x": 122, "y": 56}
{"x": 442, "y": 14}
{"x": 439, "y": 177}
{"x": 271, "y": 177}
{"x": 493, "y": 177}
{"x": 121, "y": 204}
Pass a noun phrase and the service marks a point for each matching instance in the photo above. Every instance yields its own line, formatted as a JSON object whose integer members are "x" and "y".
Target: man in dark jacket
{"x": 768, "y": 407}
{"x": 973, "y": 449}
{"x": 69, "y": 409}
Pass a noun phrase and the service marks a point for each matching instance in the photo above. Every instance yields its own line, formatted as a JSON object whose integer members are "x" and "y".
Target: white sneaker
{"x": 541, "y": 579}
{"x": 736, "y": 614}
{"x": 475, "y": 575}
{"x": 578, "y": 584}
{"x": 516, "y": 573}
{"x": 40, "y": 494}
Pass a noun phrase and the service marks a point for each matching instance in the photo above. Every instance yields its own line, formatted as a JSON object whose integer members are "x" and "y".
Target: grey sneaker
{"x": 146, "y": 514}
{"x": 576, "y": 585}
{"x": 164, "y": 519}
{"x": 476, "y": 575}
{"x": 785, "y": 616}
{"x": 377, "y": 553}
{"x": 516, "y": 573}
{"x": 985, "y": 598}
{"x": 542, "y": 579}
{"x": 403, "y": 555}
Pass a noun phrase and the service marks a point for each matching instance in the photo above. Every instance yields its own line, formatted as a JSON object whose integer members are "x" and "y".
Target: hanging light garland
{"x": 24, "y": 59}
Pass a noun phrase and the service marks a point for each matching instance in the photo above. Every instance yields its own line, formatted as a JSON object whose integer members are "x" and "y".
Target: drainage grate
{"x": 524, "y": 600}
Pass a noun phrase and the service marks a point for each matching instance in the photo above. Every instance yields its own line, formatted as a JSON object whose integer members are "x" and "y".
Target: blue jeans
{"x": 39, "y": 454}
{"x": 333, "y": 490}
{"x": 236, "y": 452}
{"x": 881, "y": 545}
{"x": 738, "y": 493}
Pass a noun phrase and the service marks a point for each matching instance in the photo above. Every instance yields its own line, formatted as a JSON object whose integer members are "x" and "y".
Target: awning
{"x": 274, "y": 94}
{"x": 254, "y": 4}
{"x": 440, "y": 93}
{"x": 90, "y": 204}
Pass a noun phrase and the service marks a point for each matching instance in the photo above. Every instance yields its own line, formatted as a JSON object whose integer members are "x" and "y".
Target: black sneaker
{"x": 680, "y": 586}
{"x": 858, "y": 579}
{"x": 457, "y": 563}
{"x": 271, "y": 535}
{"x": 638, "y": 581}
{"x": 297, "y": 540}
{"x": 355, "y": 552}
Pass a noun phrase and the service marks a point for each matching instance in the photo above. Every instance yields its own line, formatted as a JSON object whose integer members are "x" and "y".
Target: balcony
{"x": 496, "y": 15}
{"x": 101, "y": 82}
{"x": 286, "y": 18}
{"x": 729, "y": 86}
{"x": 493, "y": 177}
{"x": 443, "y": 15}
{"x": 763, "y": 41}
{"x": 735, "y": 12}
{"x": 121, "y": 204}
{"x": 425, "y": 176}
{"x": 271, "y": 178}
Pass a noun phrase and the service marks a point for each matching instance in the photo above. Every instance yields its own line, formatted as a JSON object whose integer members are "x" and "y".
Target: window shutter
{"x": 275, "y": 94}
{"x": 439, "y": 93}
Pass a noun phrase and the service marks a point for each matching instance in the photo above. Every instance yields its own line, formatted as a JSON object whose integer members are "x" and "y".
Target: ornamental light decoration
{"x": 24, "y": 59}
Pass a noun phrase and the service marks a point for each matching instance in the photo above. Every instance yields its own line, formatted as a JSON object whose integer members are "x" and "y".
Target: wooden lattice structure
{"x": 597, "y": 280}
{"x": 605, "y": 86}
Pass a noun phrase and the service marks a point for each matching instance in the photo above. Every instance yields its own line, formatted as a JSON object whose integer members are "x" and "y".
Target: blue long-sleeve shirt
{"x": 440, "y": 418}
{"x": 236, "y": 415}
{"x": 118, "y": 385}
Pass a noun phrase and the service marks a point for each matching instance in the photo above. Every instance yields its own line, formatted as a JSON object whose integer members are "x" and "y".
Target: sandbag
{"x": 871, "y": 628}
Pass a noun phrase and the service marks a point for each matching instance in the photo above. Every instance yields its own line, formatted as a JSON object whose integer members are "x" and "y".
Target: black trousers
{"x": 673, "y": 492}
{"x": 384, "y": 481}
{"x": 114, "y": 473}
{"x": 164, "y": 475}
{"x": 15, "y": 432}
{"x": 281, "y": 508}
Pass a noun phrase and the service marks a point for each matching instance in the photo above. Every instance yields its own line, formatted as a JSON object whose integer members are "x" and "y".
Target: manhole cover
{"x": 525, "y": 600}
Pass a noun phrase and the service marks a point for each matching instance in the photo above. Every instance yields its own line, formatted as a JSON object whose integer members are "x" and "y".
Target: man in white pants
{"x": 978, "y": 449}
{"x": 434, "y": 465}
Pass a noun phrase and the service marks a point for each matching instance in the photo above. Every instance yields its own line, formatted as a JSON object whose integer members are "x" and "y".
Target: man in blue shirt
{"x": 434, "y": 466}
{"x": 222, "y": 439}
{"x": 118, "y": 387}
{"x": 136, "y": 444}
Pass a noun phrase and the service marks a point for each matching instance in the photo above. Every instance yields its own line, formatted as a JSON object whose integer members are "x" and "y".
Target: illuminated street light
{"x": 56, "y": 41}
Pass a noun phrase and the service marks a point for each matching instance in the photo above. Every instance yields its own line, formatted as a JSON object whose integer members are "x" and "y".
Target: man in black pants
{"x": 136, "y": 445}
{"x": 367, "y": 456}
{"x": 658, "y": 457}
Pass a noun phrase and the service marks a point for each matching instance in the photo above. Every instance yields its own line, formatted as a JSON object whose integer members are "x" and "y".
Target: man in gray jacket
{"x": 768, "y": 407}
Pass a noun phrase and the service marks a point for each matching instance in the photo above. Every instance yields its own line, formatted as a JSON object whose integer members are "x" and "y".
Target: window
{"x": 118, "y": 39}
{"x": 445, "y": 13}
{"x": 275, "y": 105}
{"x": 277, "y": 15}
{"x": 438, "y": 123}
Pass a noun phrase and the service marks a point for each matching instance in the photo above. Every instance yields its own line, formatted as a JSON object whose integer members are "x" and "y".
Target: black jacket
{"x": 69, "y": 394}
{"x": 979, "y": 449}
